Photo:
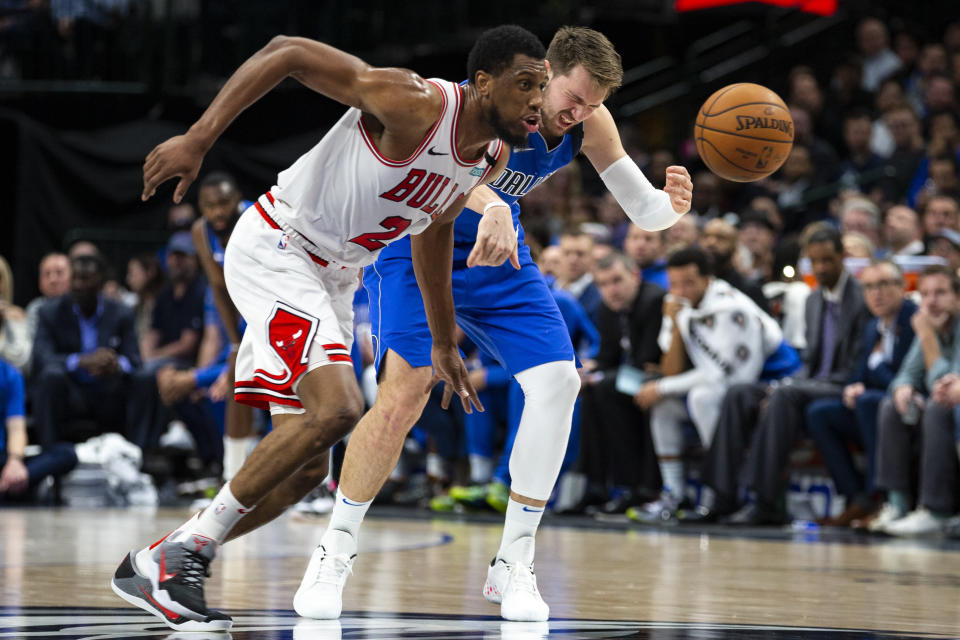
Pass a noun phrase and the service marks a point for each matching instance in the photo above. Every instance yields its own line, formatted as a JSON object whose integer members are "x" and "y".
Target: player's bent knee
{"x": 400, "y": 412}
{"x": 331, "y": 424}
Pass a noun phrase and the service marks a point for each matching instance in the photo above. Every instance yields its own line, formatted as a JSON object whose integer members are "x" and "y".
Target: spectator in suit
{"x": 575, "y": 275}
{"x": 616, "y": 450}
{"x": 835, "y": 316}
{"x": 649, "y": 251}
{"x": 54, "y": 281}
{"x": 917, "y": 409}
{"x": 18, "y": 472}
{"x": 851, "y": 418}
{"x": 83, "y": 356}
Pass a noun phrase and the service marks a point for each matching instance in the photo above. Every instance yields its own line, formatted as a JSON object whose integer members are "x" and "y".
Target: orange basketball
{"x": 744, "y": 132}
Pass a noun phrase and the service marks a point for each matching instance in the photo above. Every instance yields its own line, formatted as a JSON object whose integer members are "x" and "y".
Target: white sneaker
{"x": 888, "y": 514}
{"x": 318, "y": 502}
{"x": 320, "y": 592}
{"x": 916, "y": 524}
{"x": 512, "y": 583}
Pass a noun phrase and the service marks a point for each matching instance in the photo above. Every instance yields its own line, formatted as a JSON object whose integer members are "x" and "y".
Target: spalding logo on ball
{"x": 744, "y": 132}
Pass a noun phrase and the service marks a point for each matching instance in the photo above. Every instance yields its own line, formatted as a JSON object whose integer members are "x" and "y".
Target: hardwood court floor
{"x": 425, "y": 576}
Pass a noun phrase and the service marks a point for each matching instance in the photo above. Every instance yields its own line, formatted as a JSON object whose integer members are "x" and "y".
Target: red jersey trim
{"x": 453, "y": 131}
{"x": 423, "y": 145}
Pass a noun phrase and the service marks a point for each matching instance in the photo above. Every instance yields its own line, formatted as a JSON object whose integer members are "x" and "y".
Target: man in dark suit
{"x": 617, "y": 449}
{"x": 835, "y": 315}
{"x": 84, "y": 352}
{"x": 836, "y": 421}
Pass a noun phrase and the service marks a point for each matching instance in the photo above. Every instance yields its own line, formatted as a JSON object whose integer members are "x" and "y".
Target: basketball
{"x": 744, "y": 132}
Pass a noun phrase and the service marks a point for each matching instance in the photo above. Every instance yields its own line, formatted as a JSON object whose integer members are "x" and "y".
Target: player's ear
{"x": 484, "y": 82}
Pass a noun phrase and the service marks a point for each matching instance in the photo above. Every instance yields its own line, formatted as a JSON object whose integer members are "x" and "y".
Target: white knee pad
{"x": 666, "y": 426}
{"x": 550, "y": 392}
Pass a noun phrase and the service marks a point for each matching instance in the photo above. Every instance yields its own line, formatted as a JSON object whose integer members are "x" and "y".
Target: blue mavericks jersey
{"x": 525, "y": 170}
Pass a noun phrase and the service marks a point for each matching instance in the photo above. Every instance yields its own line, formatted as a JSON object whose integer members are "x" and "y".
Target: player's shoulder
{"x": 401, "y": 99}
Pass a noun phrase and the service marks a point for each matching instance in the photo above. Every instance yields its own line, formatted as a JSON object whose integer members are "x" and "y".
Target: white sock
{"x": 522, "y": 521}
{"x": 436, "y": 468}
{"x": 234, "y": 453}
{"x": 220, "y": 517}
{"x": 672, "y": 473}
{"x": 481, "y": 468}
{"x": 347, "y": 514}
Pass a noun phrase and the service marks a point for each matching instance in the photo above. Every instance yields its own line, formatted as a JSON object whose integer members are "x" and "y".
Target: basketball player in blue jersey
{"x": 220, "y": 204}
{"x": 508, "y": 311}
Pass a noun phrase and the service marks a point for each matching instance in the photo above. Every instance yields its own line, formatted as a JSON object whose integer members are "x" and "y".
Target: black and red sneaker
{"x": 167, "y": 580}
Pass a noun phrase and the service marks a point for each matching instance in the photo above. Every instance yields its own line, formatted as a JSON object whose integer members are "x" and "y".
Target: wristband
{"x": 491, "y": 205}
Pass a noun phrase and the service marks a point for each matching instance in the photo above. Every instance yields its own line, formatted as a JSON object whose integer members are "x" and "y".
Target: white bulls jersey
{"x": 345, "y": 201}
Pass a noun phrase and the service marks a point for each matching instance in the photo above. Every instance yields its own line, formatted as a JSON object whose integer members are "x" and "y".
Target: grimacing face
{"x": 569, "y": 99}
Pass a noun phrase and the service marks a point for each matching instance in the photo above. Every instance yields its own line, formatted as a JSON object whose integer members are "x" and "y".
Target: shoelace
{"x": 332, "y": 568}
{"x": 194, "y": 569}
{"x": 522, "y": 578}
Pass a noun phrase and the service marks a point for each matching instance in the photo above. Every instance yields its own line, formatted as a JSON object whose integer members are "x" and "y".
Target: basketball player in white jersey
{"x": 406, "y": 153}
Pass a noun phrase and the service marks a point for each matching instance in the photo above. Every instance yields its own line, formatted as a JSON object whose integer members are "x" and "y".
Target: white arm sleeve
{"x": 647, "y": 207}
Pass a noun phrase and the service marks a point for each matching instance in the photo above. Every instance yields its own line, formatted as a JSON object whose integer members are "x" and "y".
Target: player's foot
{"x": 512, "y": 583}
{"x": 660, "y": 511}
{"x": 320, "y": 592}
{"x": 167, "y": 580}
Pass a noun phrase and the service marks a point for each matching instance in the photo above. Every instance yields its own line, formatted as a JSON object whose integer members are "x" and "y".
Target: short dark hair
{"x": 826, "y": 234}
{"x": 691, "y": 255}
{"x": 496, "y": 48}
{"x": 614, "y": 258}
{"x": 217, "y": 178}
{"x": 941, "y": 270}
{"x": 857, "y": 113}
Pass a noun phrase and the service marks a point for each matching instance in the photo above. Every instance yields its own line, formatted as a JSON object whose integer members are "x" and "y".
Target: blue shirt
{"x": 89, "y": 340}
{"x": 11, "y": 398}
{"x": 656, "y": 273}
{"x": 525, "y": 169}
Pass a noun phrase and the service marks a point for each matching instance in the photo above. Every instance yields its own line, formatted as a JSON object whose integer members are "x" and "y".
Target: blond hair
{"x": 6, "y": 281}
{"x": 572, "y": 46}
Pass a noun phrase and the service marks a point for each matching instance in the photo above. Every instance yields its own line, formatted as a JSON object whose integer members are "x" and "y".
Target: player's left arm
{"x": 496, "y": 236}
{"x": 649, "y": 208}
{"x": 432, "y": 253}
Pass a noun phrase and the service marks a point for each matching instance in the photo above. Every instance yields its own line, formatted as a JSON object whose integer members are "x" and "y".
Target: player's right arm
{"x": 218, "y": 285}
{"x": 404, "y": 103}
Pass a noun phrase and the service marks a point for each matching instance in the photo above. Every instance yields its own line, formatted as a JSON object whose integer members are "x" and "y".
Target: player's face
{"x": 687, "y": 283}
{"x": 516, "y": 95}
{"x": 218, "y": 205}
{"x": 570, "y": 99}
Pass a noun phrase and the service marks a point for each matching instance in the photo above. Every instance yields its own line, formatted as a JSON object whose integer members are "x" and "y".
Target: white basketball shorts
{"x": 299, "y": 310}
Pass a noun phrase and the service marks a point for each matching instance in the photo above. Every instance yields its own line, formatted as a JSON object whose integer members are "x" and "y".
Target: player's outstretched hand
{"x": 496, "y": 240}
{"x": 178, "y": 157}
{"x": 448, "y": 367}
{"x": 679, "y": 187}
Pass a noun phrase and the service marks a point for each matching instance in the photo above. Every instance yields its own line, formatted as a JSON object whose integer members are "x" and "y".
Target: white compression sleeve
{"x": 647, "y": 207}
{"x": 549, "y": 393}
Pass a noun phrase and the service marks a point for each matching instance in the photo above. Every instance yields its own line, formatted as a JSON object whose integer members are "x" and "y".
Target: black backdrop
{"x": 61, "y": 183}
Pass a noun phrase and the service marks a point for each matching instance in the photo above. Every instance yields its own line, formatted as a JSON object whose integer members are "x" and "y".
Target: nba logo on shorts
{"x": 282, "y": 243}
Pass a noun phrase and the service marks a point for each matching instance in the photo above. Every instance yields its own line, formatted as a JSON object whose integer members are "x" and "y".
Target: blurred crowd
{"x": 808, "y": 320}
